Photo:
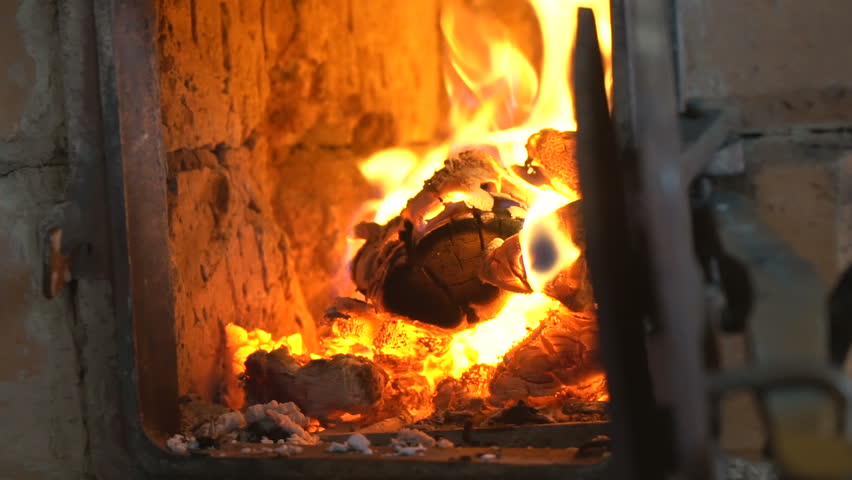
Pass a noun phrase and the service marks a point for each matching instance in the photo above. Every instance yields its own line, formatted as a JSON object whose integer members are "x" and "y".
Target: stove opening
{"x": 375, "y": 227}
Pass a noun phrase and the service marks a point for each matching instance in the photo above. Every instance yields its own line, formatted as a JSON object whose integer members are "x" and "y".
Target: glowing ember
{"x": 487, "y": 342}
{"x": 243, "y": 343}
{"x": 497, "y": 101}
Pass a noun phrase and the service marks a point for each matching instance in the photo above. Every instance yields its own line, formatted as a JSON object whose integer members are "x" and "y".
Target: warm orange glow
{"x": 243, "y": 343}
{"x": 487, "y": 342}
{"x": 497, "y": 99}
{"x": 544, "y": 227}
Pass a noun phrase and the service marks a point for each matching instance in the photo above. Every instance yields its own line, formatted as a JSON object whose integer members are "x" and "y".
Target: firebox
{"x": 341, "y": 267}
{"x": 364, "y": 236}
{"x": 425, "y": 239}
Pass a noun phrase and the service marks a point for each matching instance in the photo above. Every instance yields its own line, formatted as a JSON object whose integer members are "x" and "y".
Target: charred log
{"x": 519, "y": 414}
{"x": 321, "y": 388}
{"x": 343, "y": 383}
{"x": 270, "y": 376}
{"x": 560, "y": 354}
{"x": 504, "y": 264}
{"x": 366, "y": 330}
{"x": 425, "y": 263}
{"x": 551, "y": 160}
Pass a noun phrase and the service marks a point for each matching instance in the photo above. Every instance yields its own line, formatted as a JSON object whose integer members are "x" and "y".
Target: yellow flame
{"x": 243, "y": 343}
{"x": 497, "y": 99}
{"x": 487, "y": 342}
{"x": 542, "y": 231}
{"x": 491, "y": 83}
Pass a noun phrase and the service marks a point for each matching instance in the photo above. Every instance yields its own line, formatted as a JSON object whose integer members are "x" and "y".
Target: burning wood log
{"x": 561, "y": 353}
{"x": 454, "y": 250}
{"x": 321, "y": 388}
{"x": 504, "y": 264}
{"x": 424, "y": 264}
{"x": 448, "y": 260}
{"x": 355, "y": 326}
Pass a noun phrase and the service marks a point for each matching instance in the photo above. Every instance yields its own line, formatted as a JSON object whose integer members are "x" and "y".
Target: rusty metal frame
{"x": 615, "y": 274}
{"x": 663, "y": 150}
{"x": 636, "y": 171}
{"x": 636, "y": 187}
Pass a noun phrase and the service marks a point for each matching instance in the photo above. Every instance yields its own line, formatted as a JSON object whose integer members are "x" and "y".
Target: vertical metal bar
{"x": 136, "y": 182}
{"x": 87, "y": 225}
{"x": 664, "y": 208}
{"x": 615, "y": 278}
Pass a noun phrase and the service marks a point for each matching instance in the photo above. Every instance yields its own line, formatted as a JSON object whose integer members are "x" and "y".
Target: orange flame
{"x": 497, "y": 99}
{"x": 243, "y": 343}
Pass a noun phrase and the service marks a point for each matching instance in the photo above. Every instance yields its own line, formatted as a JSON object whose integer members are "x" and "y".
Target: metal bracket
{"x": 804, "y": 398}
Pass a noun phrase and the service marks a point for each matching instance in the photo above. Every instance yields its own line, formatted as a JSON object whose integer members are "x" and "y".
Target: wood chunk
{"x": 561, "y": 353}
{"x": 573, "y": 287}
{"x": 270, "y": 376}
{"x": 343, "y": 383}
{"x": 503, "y": 265}
{"x": 438, "y": 281}
{"x": 321, "y": 388}
{"x": 354, "y": 323}
{"x": 553, "y": 154}
{"x": 425, "y": 263}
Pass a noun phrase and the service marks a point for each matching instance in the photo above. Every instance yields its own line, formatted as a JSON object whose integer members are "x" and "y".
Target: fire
{"x": 498, "y": 100}
{"x": 243, "y": 343}
{"x": 487, "y": 342}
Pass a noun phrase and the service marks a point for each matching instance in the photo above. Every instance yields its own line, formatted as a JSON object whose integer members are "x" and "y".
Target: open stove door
{"x": 655, "y": 279}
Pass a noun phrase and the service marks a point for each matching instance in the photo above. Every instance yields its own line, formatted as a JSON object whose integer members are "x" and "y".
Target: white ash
{"x": 256, "y": 413}
{"x": 488, "y": 457}
{"x": 409, "y": 451}
{"x": 444, "y": 443}
{"x": 268, "y": 418}
{"x": 736, "y": 468}
{"x": 223, "y": 425}
{"x": 178, "y": 444}
{"x": 404, "y": 449}
{"x": 413, "y": 437}
{"x": 359, "y": 443}
{"x": 303, "y": 440}
{"x": 259, "y": 412}
{"x": 298, "y": 435}
{"x": 337, "y": 447}
{"x": 288, "y": 450}
{"x": 355, "y": 443}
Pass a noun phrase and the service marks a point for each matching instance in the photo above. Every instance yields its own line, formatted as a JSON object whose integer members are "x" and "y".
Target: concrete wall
{"x": 783, "y": 68}
{"x": 41, "y": 413}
